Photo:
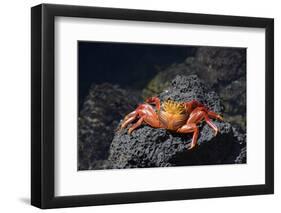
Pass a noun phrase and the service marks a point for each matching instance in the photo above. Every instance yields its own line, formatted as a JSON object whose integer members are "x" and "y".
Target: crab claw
{"x": 154, "y": 100}
{"x": 150, "y": 100}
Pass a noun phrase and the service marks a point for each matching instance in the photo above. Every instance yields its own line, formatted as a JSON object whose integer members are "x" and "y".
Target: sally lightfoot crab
{"x": 180, "y": 117}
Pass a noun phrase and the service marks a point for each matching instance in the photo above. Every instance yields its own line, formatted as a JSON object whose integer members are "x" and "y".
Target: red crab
{"x": 180, "y": 117}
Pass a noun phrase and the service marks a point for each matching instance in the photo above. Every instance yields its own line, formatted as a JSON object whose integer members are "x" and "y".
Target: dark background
{"x": 129, "y": 65}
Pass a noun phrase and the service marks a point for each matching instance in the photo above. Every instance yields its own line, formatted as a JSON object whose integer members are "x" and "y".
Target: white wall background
{"x": 15, "y": 105}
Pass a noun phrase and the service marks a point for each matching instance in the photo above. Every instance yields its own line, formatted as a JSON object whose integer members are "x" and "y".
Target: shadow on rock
{"x": 101, "y": 112}
{"x": 149, "y": 147}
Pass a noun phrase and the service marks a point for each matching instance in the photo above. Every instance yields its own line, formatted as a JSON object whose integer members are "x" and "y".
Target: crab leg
{"x": 215, "y": 115}
{"x": 191, "y": 105}
{"x": 191, "y": 125}
{"x": 150, "y": 117}
{"x": 195, "y": 117}
{"x": 189, "y": 128}
{"x": 211, "y": 124}
{"x": 134, "y": 113}
{"x": 145, "y": 113}
{"x": 135, "y": 125}
{"x": 199, "y": 113}
{"x": 128, "y": 119}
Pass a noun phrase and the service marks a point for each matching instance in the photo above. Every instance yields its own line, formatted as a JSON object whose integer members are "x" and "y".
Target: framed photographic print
{"x": 139, "y": 106}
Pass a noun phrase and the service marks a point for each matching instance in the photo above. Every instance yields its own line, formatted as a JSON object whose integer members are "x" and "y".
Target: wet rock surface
{"x": 101, "y": 112}
{"x": 149, "y": 147}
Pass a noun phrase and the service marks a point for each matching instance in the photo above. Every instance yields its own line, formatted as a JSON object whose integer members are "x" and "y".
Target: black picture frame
{"x": 43, "y": 117}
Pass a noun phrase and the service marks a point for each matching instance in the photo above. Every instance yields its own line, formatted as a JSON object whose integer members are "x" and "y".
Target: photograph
{"x": 136, "y": 105}
{"x": 147, "y": 105}
{"x": 140, "y": 106}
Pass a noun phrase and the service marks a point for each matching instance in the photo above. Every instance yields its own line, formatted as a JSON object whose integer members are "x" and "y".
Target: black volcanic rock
{"x": 150, "y": 147}
{"x": 224, "y": 64}
{"x": 222, "y": 69}
{"x": 188, "y": 88}
{"x": 101, "y": 112}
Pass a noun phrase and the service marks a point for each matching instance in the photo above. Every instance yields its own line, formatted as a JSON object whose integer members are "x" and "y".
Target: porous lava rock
{"x": 151, "y": 147}
{"x": 99, "y": 116}
{"x": 222, "y": 69}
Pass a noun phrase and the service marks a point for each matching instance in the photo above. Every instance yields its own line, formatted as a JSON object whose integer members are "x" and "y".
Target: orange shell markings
{"x": 172, "y": 115}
